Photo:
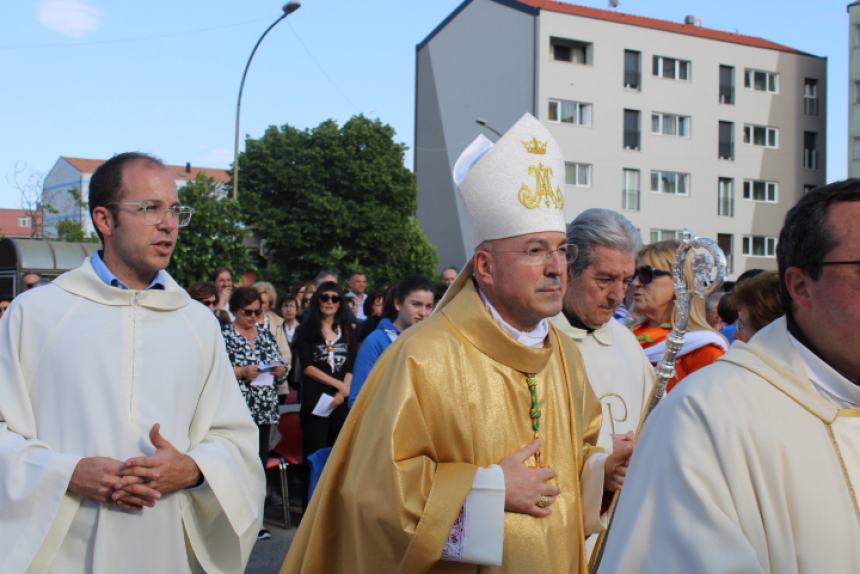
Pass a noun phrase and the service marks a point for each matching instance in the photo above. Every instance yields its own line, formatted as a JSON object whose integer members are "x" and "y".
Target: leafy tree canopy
{"x": 214, "y": 238}
{"x": 334, "y": 198}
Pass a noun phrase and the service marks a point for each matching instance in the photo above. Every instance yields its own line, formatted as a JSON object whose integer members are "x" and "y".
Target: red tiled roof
{"x": 89, "y": 166}
{"x": 9, "y": 222}
{"x": 665, "y": 25}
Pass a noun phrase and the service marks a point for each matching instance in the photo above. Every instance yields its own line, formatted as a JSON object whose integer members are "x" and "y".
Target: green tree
{"x": 215, "y": 236}
{"x": 335, "y": 198}
{"x": 70, "y": 229}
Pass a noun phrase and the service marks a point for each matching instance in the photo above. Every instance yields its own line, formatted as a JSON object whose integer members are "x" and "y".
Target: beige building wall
{"x": 600, "y": 83}
{"x": 493, "y": 58}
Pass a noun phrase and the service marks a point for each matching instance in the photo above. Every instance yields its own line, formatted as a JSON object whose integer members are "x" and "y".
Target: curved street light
{"x": 483, "y": 123}
{"x": 288, "y": 9}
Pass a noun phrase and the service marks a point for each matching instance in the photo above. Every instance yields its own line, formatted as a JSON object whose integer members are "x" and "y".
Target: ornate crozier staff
{"x": 708, "y": 271}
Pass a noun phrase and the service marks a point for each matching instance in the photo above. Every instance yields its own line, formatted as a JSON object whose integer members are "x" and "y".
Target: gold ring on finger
{"x": 543, "y": 501}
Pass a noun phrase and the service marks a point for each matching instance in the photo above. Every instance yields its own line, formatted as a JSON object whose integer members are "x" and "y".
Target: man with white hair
{"x": 618, "y": 370}
{"x": 474, "y": 441}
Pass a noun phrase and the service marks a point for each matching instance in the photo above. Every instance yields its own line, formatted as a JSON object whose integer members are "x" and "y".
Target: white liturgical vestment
{"x": 618, "y": 371}
{"x": 86, "y": 370}
{"x": 752, "y": 465}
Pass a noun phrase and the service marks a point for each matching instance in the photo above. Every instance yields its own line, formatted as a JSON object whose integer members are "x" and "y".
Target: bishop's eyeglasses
{"x": 154, "y": 212}
{"x": 540, "y": 254}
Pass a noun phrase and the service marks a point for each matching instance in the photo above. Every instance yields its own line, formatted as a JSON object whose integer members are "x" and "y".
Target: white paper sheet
{"x": 324, "y": 406}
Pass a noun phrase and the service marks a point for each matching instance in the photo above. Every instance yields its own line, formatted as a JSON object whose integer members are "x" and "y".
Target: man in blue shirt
{"x": 413, "y": 302}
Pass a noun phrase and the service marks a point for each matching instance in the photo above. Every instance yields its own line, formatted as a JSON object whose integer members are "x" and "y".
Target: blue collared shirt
{"x": 109, "y": 278}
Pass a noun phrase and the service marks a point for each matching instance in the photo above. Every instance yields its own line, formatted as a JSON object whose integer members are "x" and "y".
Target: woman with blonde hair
{"x": 654, "y": 300}
{"x": 274, "y": 323}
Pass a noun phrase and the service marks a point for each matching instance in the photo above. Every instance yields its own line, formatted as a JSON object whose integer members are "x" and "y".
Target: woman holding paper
{"x": 326, "y": 348}
{"x": 257, "y": 364}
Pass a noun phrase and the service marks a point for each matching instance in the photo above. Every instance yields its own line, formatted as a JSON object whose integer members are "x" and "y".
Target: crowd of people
{"x": 496, "y": 419}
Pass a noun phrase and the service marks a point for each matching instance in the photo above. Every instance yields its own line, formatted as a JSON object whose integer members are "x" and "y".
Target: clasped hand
{"x": 526, "y": 488}
{"x": 138, "y": 482}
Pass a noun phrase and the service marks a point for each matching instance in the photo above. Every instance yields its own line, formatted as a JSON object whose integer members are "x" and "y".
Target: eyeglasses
{"x": 647, "y": 274}
{"x": 250, "y": 312}
{"x": 326, "y": 298}
{"x": 539, "y": 255}
{"x": 154, "y": 212}
{"x": 841, "y": 262}
{"x": 210, "y": 302}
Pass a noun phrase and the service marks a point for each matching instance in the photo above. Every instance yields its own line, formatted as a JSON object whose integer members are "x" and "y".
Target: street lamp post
{"x": 483, "y": 123}
{"x": 288, "y": 9}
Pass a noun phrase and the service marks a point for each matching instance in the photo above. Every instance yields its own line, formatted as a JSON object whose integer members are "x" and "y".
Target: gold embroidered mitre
{"x": 513, "y": 187}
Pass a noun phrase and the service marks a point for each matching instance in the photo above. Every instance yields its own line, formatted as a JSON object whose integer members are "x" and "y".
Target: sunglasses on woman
{"x": 250, "y": 312}
{"x": 646, "y": 274}
{"x": 326, "y": 298}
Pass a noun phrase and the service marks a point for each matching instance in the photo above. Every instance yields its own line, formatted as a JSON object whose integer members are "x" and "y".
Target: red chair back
{"x": 290, "y": 445}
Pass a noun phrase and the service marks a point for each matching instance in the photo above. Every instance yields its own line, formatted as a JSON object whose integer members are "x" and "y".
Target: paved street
{"x": 269, "y": 554}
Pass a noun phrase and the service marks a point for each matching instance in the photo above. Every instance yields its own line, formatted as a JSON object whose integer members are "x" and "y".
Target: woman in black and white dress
{"x": 326, "y": 348}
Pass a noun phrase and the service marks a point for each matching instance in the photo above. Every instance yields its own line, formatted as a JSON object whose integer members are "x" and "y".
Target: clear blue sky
{"x": 90, "y": 78}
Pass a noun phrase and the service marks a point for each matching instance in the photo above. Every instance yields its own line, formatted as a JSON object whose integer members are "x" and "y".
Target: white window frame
{"x": 665, "y": 124}
{"x": 769, "y": 188}
{"x": 25, "y": 221}
{"x": 581, "y": 174}
{"x": 771, "y": 80}
{"x": 659, "y": 65}
{"x": 810, "y": 96}
{"x": 581, "y": 116}
{"x": 663, "y": 234}
{"x": 768, "y": 243}
{"x": 726, "y": 196}
{"x": 631, "y": 192}
{"x": 771, "y": 136}
{"x": 678, "y": 176}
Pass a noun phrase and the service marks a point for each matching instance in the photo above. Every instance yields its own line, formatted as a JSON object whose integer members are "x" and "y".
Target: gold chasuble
{"x": 450, "y": 396}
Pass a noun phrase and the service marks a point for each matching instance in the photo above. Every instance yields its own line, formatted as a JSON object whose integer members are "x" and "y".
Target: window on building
{"x": 726, "y": 196}
{"x": 856, "y": 148}
{"x": 810, "y": 96}
{"x": 761, "y": 81}
{"x": 727, "y": 85}
{"x": 670, "y": 124}
{"x": 632, "y": 186}
{"x": 578, "y": 174}
{"x": 632, "y": 136}
{"x": 671, "y": 68}
{"x": 569, "y": 112}
{"x": 857, "y": 35}
{"x": 807, "y": 188}
{"x": 632, "y": 70}
{"x": 25, "y": 221}
{"x": 856, "y": 98}
{"x": 567, "y": 50}
{"x": 725, "y": 241}
{"x": 761, "y": 135}
{"x": 810, "y": 150}
{"x": 664, "y": 234}
{"x": 759, "y": 246}
{"x": 758, "y": 190}
{"x": 671, "y": 182}
{"x": 726, "y": 144}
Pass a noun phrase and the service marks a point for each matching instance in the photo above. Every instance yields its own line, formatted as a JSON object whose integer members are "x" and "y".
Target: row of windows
{"x": 581, "y": 52}
{"x": 751, "y": 245}
{"x": 677, "y": 183}
{"x": 580, "y": 114}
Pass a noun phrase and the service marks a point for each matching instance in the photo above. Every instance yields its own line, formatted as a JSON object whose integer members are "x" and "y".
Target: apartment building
{"x": 673, "y": 124}
{"x": 67, "y": 186}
